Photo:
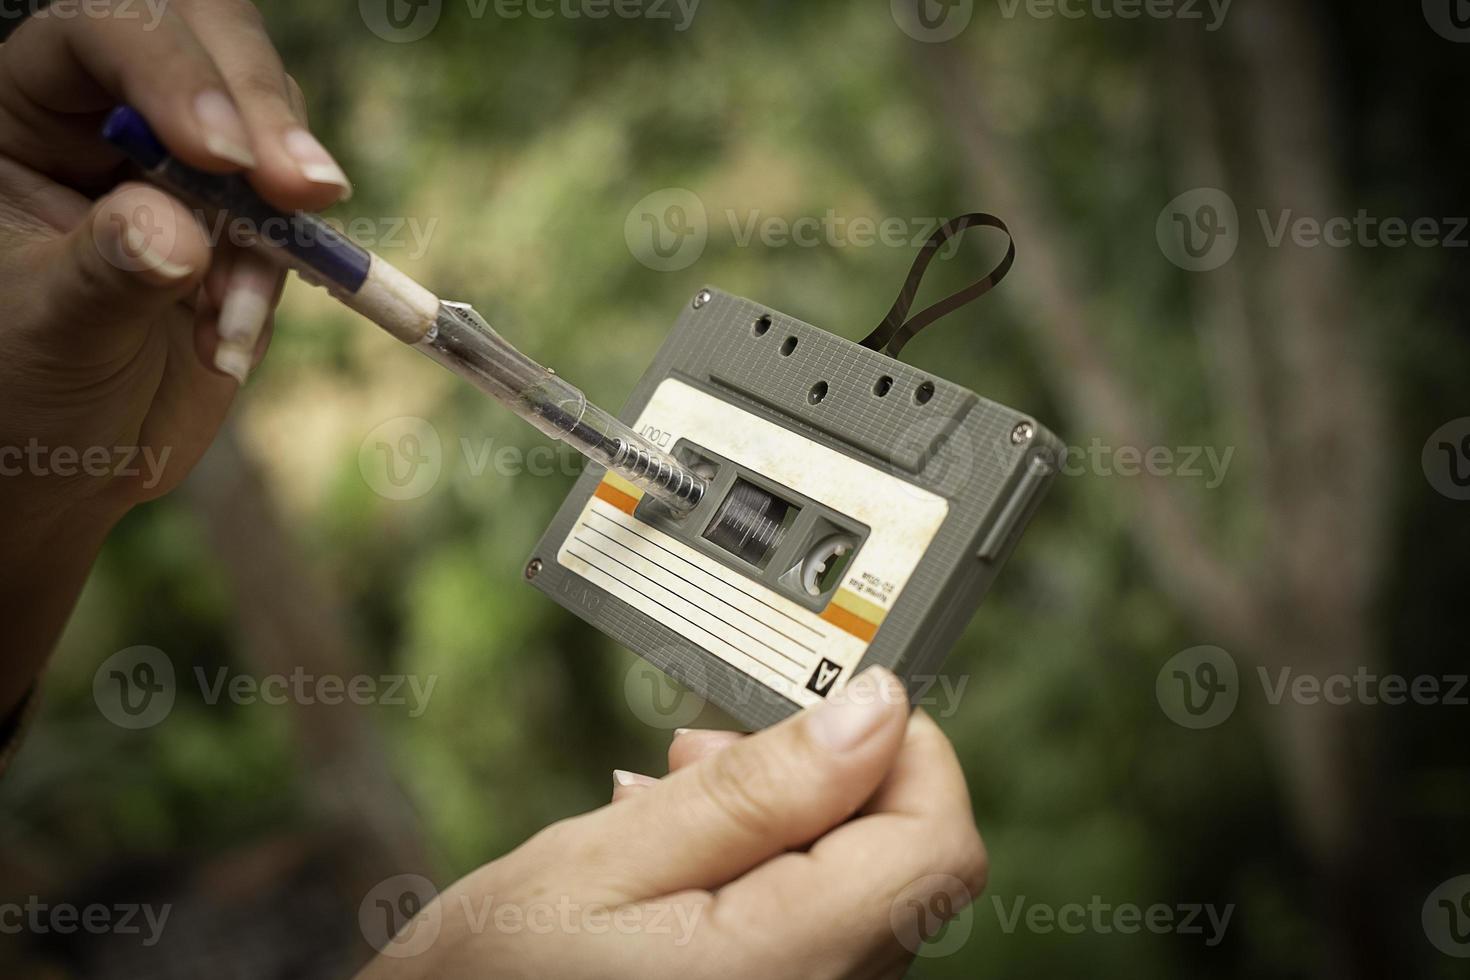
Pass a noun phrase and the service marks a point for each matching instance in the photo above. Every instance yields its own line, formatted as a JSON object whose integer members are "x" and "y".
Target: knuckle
{"x": 296, "y": 96}
{"x": 259, "y": 85}
{"x": 969, "y": 861}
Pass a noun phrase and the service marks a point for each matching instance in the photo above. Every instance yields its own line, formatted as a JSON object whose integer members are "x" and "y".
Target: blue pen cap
{"x": 126, "y": 129}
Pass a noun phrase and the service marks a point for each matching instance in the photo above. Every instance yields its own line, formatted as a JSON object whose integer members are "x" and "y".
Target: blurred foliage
{"x": 523, "y": 144}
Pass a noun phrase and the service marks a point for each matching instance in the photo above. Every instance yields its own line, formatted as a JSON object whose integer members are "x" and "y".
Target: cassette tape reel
{"x": 858, "y": 509}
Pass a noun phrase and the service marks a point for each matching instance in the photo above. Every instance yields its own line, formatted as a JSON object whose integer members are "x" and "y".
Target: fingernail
{"x": 682, "y": 731}
{"x": 621, "y": 777}
{"x": 315, "y": 162}
{"x": 858, "y": 711}
{"x": 140, "y": 250}
{"x": 233, "y": 361}
{"x": 243, "y": 314}
{"x": 224, "y": 130}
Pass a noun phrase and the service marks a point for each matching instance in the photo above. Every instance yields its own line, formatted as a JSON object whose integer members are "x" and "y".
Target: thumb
{"x": 137, "y": 253}
{"x": 707, "y": 824}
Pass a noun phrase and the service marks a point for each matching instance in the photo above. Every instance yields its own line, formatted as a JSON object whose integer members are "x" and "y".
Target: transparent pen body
{"x": 465, "y": 344}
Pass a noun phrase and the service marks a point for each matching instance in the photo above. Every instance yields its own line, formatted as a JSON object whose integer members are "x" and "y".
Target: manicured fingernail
{"x": 242, "y": 315}
{"x": 233, "y": 361}
{"x": 224, "y": 130}
{"x": 315, "y": 162}
{"x": 139, "y": 250}
{"x": 857, "y": 711}
{"x": 621, "y": 777}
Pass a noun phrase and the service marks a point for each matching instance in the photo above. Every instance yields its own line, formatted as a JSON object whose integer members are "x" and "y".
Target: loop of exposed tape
{"x": 898, "y": 328}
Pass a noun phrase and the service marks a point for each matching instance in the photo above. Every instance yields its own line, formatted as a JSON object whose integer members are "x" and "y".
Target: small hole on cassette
{"x": 883, "y": 386}
{"x": 924, "y": 392}
{"x": 788, "y": 346}
{"x": 818, "y": 392}
{"x": 762, "y": 325}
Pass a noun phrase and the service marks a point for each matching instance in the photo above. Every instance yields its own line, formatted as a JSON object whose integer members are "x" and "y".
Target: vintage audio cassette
{"x": 857, "y": 510}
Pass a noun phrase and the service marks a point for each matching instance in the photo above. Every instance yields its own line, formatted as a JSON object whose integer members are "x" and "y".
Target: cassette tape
{"x": 858, "y": 509}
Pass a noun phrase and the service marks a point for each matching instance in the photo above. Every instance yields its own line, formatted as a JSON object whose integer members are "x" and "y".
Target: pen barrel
{"x": 297, "y": 240}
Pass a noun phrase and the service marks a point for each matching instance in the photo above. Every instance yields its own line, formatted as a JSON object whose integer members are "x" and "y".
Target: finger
{"x": 627, "y": 783}
{"x": 294, "y": 170}
{"x": 137, "y": 253}
{"x": 78, "y": 66}
{"x": 264, "y": 343}
{"x": 707, "y": 824}
{"x": 916, "y": 849}
{"x": 229, "y": 342}
{"x": 690, "y": 745}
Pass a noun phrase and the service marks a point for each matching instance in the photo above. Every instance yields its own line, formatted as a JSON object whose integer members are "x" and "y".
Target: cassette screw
{"x": 1022, "y": 434}
{"x": 533, "y": 568}
{"x": 702, "y": 297}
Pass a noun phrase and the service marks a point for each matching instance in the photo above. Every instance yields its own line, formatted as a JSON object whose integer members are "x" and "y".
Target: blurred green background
{"x": 518, "y": 150}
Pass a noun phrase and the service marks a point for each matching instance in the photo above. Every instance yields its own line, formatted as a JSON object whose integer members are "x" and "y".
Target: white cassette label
{"x": 801, "y": 654}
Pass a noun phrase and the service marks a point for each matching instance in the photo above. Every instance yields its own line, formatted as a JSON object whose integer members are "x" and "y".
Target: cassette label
{"x": 805, "y": 654}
